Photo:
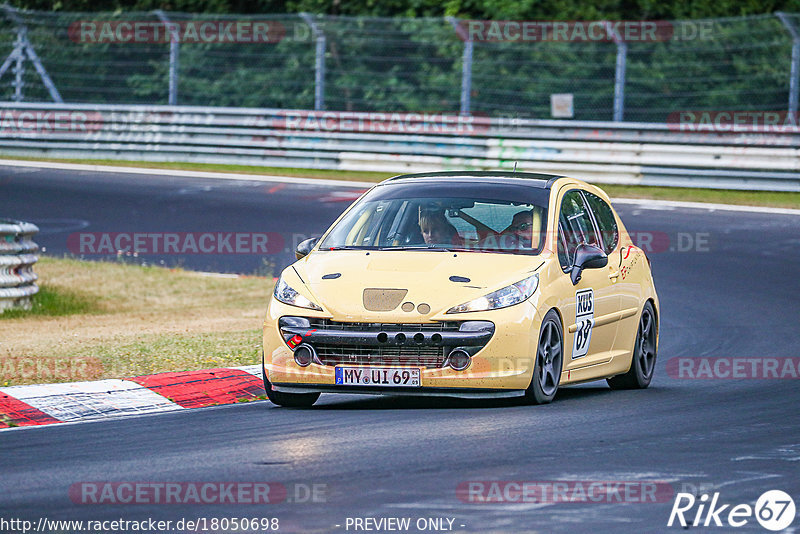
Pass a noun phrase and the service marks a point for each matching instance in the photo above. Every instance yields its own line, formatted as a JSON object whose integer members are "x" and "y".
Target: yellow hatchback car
{"x": 464, "y": 284}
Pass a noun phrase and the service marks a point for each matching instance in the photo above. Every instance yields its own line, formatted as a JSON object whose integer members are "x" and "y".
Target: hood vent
{"x": 376, "y": 299}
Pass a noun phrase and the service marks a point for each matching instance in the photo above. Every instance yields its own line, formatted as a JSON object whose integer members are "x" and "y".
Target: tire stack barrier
{"x": 17, "y": 256}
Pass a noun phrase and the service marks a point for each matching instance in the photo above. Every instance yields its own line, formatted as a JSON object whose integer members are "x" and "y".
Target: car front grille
{"x": 392, "y": 355}
{"x": 327, "y": 324}
{"x": 430, "y": 357}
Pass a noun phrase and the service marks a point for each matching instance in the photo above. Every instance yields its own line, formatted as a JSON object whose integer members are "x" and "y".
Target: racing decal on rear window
{"x": 584, "y": 319}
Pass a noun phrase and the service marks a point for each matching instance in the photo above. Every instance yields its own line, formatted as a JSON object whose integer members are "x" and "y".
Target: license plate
{"x": 377, "y": 376}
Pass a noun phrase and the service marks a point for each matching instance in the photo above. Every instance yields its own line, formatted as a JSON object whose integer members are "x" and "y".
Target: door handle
{"x": 613, "y": 275}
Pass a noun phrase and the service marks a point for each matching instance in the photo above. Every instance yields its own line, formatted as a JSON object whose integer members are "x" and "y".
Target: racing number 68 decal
{"x": 584, "y": 319}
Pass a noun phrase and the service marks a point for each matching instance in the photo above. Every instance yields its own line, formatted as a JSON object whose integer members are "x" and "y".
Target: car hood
{"x": 356, "y": 285}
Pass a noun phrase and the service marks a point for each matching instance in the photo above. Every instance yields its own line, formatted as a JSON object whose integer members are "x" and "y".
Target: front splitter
{"x": 463, "y": 393}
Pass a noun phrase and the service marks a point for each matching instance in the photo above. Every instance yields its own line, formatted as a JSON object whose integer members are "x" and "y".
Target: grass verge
{"x": 54, "y": 302}
{"x": 689, "y": 194}
{"x": 112, "y": 320}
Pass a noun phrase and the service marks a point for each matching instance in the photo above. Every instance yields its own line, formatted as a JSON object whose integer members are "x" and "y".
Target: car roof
{"x": 542, "y": 181}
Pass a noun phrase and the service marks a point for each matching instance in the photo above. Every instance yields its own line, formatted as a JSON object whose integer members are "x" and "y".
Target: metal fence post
{"x": 319, "y": 62}
{"x": 794, "y": 74}
{"x": 174, "y": 58}
{"x": 619, "y": 73}
{"x": 19, "y": 67}
{"x": 466, "y": 66}
{"x": 619, "y": 81}
{"x": 23, "y": 48}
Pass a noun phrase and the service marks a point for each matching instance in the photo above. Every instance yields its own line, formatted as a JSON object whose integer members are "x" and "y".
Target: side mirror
{"x": 304, "y": 247}
{"x": 587, "y": 257}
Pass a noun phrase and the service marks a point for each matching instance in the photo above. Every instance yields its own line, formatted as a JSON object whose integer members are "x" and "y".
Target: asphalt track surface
{"x": 737, "y": 296}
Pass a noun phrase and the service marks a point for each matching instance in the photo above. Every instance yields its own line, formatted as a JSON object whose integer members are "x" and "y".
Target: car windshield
{"x": 483, "y": 217}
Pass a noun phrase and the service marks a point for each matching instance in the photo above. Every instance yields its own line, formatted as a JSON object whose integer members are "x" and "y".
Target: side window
{"x": 562, "y": 248}
{"x": 575, "y": 227}
{"x": 604, "y": 215}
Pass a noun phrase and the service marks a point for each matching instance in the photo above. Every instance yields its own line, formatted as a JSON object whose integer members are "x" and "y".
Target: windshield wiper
{"x": 493, "y": 250}
{"x": 415, "y": 247}
{"x": 347, "y": 247}
{"x": 463, "y": 249}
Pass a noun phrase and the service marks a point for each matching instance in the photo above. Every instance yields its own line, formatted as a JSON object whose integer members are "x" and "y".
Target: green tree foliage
{"x": 415, "y": 64}
{"x": 478, "y": 9}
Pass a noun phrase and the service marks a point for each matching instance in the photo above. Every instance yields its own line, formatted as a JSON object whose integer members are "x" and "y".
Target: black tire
{"x": 288, "y": 400}
{"x": 643, "y": 360}
{"x": 549, "y": 361}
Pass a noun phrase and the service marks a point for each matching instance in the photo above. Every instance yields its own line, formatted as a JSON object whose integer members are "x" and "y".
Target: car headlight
{"x": 286, "y": 294}
{"x": 502, "y": 298}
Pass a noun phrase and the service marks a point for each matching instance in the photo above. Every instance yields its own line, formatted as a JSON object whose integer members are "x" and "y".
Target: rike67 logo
{"x": 774, "y": 510}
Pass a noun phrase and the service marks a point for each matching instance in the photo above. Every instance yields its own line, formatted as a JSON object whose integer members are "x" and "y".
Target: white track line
{"x": 648, "y": 203}
{"x": 324, "y": 182}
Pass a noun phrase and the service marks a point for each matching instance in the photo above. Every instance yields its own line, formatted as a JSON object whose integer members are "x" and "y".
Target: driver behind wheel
{"x": 436, "y": 229}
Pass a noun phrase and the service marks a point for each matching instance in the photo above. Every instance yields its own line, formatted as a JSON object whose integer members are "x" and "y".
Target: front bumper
{"x": 503, "y": 366}
{"x": 462, "y": 393}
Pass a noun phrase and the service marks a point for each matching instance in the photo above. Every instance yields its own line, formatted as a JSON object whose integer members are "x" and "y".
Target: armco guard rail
{"x": 626, "y": 153}
{"x": 17, "y": 256}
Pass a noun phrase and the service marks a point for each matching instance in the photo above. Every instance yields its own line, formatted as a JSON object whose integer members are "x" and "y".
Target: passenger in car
{"x": 518, "y": 235}
{"x": 521, "y": 229}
